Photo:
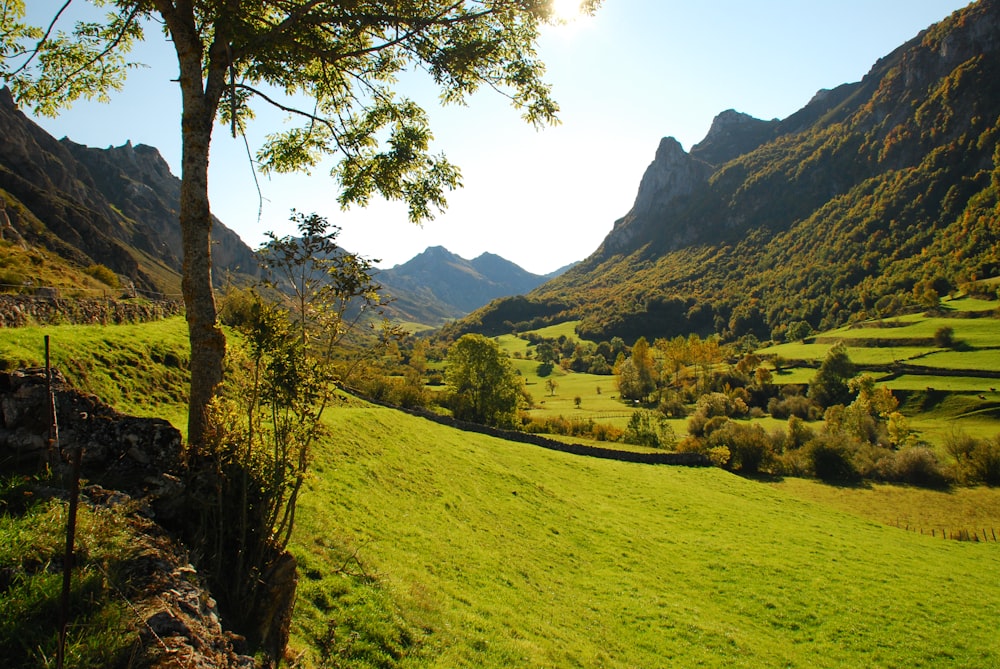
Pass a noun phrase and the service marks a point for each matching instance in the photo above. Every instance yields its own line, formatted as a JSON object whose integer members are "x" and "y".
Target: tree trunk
{"x": 208, "y": 344}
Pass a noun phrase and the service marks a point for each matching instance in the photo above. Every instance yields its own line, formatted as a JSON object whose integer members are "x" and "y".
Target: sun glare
{"x": 566, "y": 10}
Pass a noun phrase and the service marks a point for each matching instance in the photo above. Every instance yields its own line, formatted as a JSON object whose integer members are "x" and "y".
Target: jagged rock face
{"x": 138, "y": 181}
{"x": 117, "y": 207}
{"x": 672, "y": 176}
{"x": 732, "y": 134}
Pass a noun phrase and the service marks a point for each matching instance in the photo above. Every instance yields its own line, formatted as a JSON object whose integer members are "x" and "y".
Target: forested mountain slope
{"x": 869, "y": 199}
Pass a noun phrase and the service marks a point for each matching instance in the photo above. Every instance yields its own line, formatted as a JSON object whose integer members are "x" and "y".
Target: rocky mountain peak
{"x": 732, "y": 134}
{"x": 673, "y": 175}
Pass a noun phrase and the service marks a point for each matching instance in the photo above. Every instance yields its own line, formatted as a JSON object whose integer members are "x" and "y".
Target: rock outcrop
{"x": 117, "y": 207}
{"x": 673, "y": 176}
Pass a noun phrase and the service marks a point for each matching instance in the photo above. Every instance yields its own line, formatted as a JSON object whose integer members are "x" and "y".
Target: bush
{"x": 829, "y": 458}
{"x": 103, "y": 274}
{"x": 719, "y": 456}
{"x": 944, "y": 337}
{"x": 648, "y": 428}
{"x": 985, "y": 461}
{"x": 672, "y": 405}
{"x": 976, "y": 460}
{"x": 794, "y": 405}
{"x": 916, "y": 465}
{"x": 749, "y": 446}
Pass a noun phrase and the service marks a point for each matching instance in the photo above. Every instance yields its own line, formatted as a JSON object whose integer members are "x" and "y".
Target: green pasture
{"x": 988, "y": 360}
{"x": 954, "y": 384}
{"x": 971, "y": 304}
{"x": 796, "y": 375}
{"x": 566, "y": 328}
{"x": 919, "y": 509}
{"x": 422, "y": 546}
{"x": 976, "y": 332}
{"x": 860, "y": 355}
{"x": 139, "y": 369}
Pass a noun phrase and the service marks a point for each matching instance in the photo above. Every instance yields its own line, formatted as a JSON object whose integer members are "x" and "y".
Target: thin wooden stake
{"x": 53, "y": 444}
{"x": 74, "y": 499}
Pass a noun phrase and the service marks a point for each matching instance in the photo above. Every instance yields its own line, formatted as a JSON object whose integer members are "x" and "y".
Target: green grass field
{"x": 140, "y": 369}
{"x": 495, "y": 554}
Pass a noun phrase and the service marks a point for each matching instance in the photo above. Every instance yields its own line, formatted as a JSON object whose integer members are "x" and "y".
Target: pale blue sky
{"x": 637, "y": 71}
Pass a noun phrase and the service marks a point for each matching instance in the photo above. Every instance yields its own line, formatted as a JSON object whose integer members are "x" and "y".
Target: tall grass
{"x": 103, "y": 631}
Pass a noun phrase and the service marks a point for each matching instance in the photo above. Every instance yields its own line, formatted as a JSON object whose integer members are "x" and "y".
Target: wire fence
{"x": 962, "y": 534}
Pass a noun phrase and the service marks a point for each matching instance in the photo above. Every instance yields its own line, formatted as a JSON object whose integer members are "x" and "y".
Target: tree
{"x": 635, "y": 374}
{"x": 245, "y": 477}
{"x": 829, "y": 386}
{"x": 486, "y": 388}
{"x": 332, "y": 64}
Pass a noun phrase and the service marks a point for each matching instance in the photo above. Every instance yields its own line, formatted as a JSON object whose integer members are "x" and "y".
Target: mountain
{"x": 117, "y": 207}
{"x": 437, "y": 285}
{"x": 876, "y": 197}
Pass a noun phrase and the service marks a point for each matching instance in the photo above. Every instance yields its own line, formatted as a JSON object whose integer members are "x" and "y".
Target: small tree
{"x": 829, "y": 385}
{"x": 486, "y": 388}
{"x": 247, "y": 473}
{"x": 944, "y": 337}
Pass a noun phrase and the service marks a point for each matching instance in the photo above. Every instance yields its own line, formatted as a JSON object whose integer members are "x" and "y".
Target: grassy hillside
{"x": 866, "y": 201}
{"x": 140, "y": 369}
{"x": 423, "y": 546}
{"x": 494, "y": 554}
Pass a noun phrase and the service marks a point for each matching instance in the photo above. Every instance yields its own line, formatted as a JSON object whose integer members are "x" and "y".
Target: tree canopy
{"x": 486, "y": 388}
{"x": 335, "y": 66}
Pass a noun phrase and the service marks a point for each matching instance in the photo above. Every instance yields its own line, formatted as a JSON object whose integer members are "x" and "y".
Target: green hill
{"x": 423, "y": 546}
{"x": 493, "y": 554}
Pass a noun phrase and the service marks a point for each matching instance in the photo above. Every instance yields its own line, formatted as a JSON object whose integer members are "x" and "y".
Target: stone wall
{"x": 22, "y": 310}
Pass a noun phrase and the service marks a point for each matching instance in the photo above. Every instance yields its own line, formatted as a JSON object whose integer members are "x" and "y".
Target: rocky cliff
{"x": 116, "y": 207}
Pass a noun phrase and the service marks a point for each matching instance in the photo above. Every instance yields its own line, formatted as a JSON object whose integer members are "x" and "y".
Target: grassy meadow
{"x": 494, "y": 554}
{"x": 140, "y": 369}
{"x": 424, "y": 546}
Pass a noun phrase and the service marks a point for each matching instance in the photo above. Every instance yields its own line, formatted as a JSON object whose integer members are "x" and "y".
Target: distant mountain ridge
{"x": 870, "y": 198}
{"x": 436, "y": 285}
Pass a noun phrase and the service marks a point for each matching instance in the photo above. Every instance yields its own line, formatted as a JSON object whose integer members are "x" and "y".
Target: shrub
{"x": 976, "y": 460}
{"x": 749, "y": 446}
{"x": 672, "y": 405}
{"x": 794, "y": 405}
{"x": 719, "y": 455}
{"x": 916, "y": 465}
{"x": 648, "y": 428}
{"x": 829, "y": 458}
{"x": 103, "y": 274}
{"x": 944, "y": 337}
{"x": 714, "y": 404}
{"x": 984, "y": 462}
